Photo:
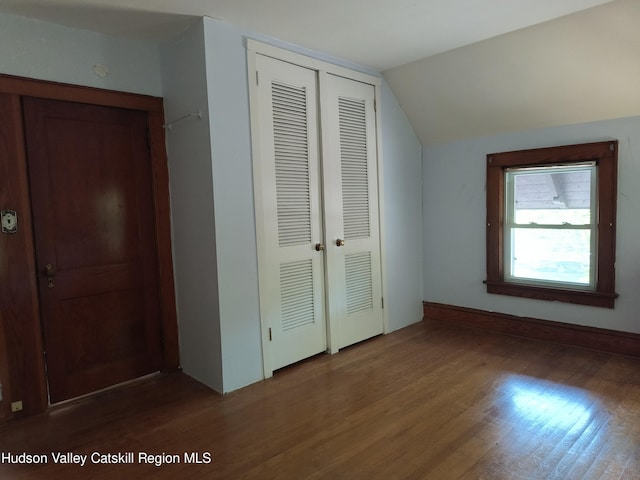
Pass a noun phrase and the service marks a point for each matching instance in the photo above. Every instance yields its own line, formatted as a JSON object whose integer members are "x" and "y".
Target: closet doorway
{"x": 316, "y": 175}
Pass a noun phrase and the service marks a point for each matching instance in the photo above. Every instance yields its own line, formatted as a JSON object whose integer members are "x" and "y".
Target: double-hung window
{"x": 551, "y": 223}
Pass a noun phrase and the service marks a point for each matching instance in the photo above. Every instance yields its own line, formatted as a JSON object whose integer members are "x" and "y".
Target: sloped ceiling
{"x": 459, "y": 68}
{"x": 376, "y": 33}
{"x": 579, "y": 68}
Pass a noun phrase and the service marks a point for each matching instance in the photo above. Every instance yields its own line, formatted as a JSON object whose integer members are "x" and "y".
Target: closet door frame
{"x": 322, "y": 68}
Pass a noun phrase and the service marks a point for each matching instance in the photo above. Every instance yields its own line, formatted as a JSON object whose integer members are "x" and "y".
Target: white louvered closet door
{"x": 292, "y": 283}
{"x": 351, "y": 210}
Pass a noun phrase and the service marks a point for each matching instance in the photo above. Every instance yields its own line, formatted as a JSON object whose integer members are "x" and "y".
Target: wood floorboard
{"x": 431, "y": 401}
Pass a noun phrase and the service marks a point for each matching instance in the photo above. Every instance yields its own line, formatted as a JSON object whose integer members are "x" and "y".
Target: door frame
{"x": 322, "y": 69}
{"x": 22, "y": 325}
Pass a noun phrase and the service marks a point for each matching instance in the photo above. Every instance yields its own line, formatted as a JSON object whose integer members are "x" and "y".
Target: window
{"x": 551, "y": 223}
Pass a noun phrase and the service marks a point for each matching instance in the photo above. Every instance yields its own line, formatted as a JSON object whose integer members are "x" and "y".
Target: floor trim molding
{"x": 600, "y": 339}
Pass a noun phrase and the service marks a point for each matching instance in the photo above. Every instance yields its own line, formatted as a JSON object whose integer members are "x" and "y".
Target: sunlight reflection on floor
{"x": 570, "y": 409}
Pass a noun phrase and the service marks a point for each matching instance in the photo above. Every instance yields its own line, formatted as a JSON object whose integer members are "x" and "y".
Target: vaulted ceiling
{"x": 575, "y": 69}
{"x": 459, "y": 68}
{"x": 378, "y": 33}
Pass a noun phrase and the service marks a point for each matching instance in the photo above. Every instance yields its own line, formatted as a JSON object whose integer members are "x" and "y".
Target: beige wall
{"x": 582, "y": 67}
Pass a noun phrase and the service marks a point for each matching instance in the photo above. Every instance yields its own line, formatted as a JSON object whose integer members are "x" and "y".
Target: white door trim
{"x": 309, "y": 62}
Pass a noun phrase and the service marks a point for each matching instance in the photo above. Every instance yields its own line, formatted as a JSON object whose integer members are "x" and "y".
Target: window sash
{"x": 510, "y": 225}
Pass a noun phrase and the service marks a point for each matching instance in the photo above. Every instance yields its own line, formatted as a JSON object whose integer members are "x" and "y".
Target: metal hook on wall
{"x": 168, "y": 125}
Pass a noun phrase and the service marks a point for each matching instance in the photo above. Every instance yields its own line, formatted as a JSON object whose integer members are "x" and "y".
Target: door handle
{"x": 319, "y": 247}
{"x": 50, "y": 272}
{"x": 340, "y": 242}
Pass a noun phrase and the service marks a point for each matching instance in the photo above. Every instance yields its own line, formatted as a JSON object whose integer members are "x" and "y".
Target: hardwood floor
{"x": 431, "y": 401}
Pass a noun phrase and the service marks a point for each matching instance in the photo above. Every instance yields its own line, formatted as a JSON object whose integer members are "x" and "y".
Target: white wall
{"x": 192, "y": 208}
{"x": 234, "y": 207}
{"x": 454, "y": 224}
{"x": 36, "y": 49}
{"x": 402, "y": 213}
{"x": 233, "y": 193}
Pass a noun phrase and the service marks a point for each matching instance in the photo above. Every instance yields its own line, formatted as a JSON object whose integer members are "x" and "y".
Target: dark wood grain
{"x": 495, "y": 222}
{"x": 160, "y": 169}
{"x": 76, "y": 93}
{"x": 23, "y": 374}
{"x": 552, "y": 155}
{"x": 605, "y": 154}
{"x": 5, "y": 407}
{"x": 431, "y": 401}
{"x": 93, "y": 208}
{"x": 598, "y": 339}
{"x": 607, "y": 223}
{"x": 19, "y": 313}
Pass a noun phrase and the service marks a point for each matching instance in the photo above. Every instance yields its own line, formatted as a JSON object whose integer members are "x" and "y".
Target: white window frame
{"x": 511, "y": 225}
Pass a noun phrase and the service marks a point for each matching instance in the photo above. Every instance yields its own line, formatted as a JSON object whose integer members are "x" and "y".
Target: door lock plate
{"x": 9, "y": 221}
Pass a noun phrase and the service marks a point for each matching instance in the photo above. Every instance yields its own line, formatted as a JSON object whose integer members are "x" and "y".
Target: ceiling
{"x": 572, "y": 70}
{"x": 377, "y": 33}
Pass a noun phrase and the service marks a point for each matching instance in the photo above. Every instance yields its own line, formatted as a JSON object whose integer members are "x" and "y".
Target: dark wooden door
{"x": 96, "y": 250}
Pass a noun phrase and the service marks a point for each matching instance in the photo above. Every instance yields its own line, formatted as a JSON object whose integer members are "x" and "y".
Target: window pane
{"x": 552, "y": 255}
{"x": 552, "y": 245}
{"x": 553, "y": 196}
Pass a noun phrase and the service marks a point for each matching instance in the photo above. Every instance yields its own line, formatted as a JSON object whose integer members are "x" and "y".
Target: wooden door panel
{"x": 98, "y": 325}
{"x": 93, "y": 211}
{"x": 22, "y": 366}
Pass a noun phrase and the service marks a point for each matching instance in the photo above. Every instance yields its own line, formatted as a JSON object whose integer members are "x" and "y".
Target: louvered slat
{"x": 354, "y": 157}
{"x": 359, "y": 282}
{"x": 296, "y": 290}
{"x": 291, "y": 163}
